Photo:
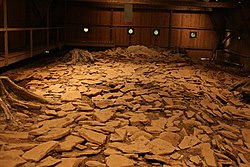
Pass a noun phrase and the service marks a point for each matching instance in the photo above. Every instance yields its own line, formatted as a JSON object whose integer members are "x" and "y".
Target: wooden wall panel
{"x": 16, "y": 13}
{"x": 205, "y": 39}
{"x": 191, "y": 20}
{"x": 17, "y": 40}
{"x": 121, "y": 36}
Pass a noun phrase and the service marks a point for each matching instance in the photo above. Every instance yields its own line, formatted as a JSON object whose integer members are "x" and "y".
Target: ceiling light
{"x": 193, "y": 34}
{"x": 156, "y": 32}
{"x": 86, "y": 29}
{"x": 131, "y": 31}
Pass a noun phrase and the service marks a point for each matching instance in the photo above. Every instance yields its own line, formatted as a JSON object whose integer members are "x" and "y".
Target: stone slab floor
{"x": 132, "y": 107}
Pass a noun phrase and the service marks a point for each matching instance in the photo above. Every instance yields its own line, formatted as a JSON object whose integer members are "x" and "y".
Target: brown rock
{"x": 37, "y": 153}
{"x": 49, "y": 161}
{"x": 92, "y": 136}
{"x": 14, "y": 135}
{"x": 246, "y": 135}
{"x": 138, "y": 148}
{"x": 171, "y": 137}
{"x": 69, "y": 162}
{"x": 119, "y": 135}
{"x": 94, "y": 164}
{"x": 104, "y": 115}
{"x": 67, "y": 107}
{"x": 7, "y": 159}
{"x": 160, "y": 147}
{"x": 158, "y": 158}
{"x": 93, "y": 92}
{"x": 51, "y": 112}
{"x": 69, "y": 142}
{"x": 20, "y": 146}
{"x": 71, "y": 96}
{"x": 189, "y": 141}
{"x": 77, "y": 153}
{"x": 54, "y": 134}
{"x": 119, "y": 161}
{"x": 208, "y": 154}
{"x": 229, "y": 135}
{"x": 39, "y": 131}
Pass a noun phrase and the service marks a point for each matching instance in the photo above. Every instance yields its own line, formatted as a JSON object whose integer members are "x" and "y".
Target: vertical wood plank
{"x": 170, "y": 29}
{"x": 6, "y": 44}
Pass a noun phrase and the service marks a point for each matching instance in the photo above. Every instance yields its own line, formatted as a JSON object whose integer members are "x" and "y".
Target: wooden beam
{"x": 170, "y": 29}
{"x": 168, "y": 3}
{"x": 6, "y": 43}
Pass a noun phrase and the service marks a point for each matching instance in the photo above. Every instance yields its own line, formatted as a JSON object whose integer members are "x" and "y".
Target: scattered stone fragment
{"x": 49, "y": 161}
{"x": 77, "y": 153}
{"x": 20, "y": 146}
{"x": 228, "y": 135}
{"x": 39, "y": 131}
{"x": 14, "y": 135}
{"x": 171, "y": 137}
{"x": 246, "y": 135}
{"x": 139, "y": 148}
{"x": 94, "y": 164}
{"x": 70, "y": 162}
{"x": 208, "y": 154}
{"x": 67, "y": 107}
{"x": 54, "y": 134}
{"x": 92, "y": 136}
{"x": 69, "y": 142}
{"x": 37, "y": 153}
{"x": 160, "y": 147}
{"x": 158, "y": 158}
{"x": 103, "y": 115}
{"x": 71, "y": 96}
{"x": 51, "y": 112}
{"x": 119, "y": 161}
{"x": 7, "y": 159}
{"x": 195, "y": 159}
{"x": 119, "y": 135}
{"x": 188, "y": 141}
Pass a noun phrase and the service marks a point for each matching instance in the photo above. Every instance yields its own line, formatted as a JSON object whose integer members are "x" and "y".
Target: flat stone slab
{"x": 7, "y": 159}
{"x": 119, "y": 161}
{"x": 69, "y": 162}
{"x": 104, "y": 115}
{"x": 49, "y": 161}
{"x": 189, "y": 141}
{"x": 54, "y": 134}
{"x": 14, "y": 135}
{"x": 160, "y": 147}
{"x": 94, "y": 164}
{"x": 37, "y": 153}
{"x": 69, "y": 143}
{"x": 92, "y": 136}
{"x": 71, "y": 96}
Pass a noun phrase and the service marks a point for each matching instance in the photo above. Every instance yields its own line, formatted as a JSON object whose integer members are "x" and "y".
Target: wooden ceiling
{"x": 174, "y": 3}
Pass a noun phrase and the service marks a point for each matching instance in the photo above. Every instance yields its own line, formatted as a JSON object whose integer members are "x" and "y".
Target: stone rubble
{"x": 132, "y": 107}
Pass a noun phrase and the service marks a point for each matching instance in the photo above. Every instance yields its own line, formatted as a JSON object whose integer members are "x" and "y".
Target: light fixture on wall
{"x": 156, "y": 32}
{"x": 193, "y": 34}
{"x": 85, "y": 29}
{"x": 239, "y": 37}
{"x": 131, "y": 31}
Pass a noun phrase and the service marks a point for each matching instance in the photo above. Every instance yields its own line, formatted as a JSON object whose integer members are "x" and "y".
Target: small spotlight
{"x": 47, "y": 52}
{"x": 131, "y": 31}
{"x": 156, "y": 32}
{"x": 193, "y": 34}
{"x": 239, "y": 2}
{"x": 85, "y": 29}
{"x": 239, "y": 37}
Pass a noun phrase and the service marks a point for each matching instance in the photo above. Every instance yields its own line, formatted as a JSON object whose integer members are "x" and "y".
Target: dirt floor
{"x": 130, "y": 107}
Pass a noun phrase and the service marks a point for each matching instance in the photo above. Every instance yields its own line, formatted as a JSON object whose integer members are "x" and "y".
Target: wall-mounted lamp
{"x": 193, "y": 34}
{"x": 131, "y": 31}
{"x": 47, "y": 52}
{"x": 156, "y": 32}
{"x": 85, "y": 29}
{"x": 239, "y": 37}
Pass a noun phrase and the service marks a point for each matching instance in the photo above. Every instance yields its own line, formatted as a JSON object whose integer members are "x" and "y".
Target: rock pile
{"x": 126, "y": 113}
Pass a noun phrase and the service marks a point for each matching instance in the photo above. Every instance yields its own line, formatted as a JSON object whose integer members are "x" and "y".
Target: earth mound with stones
{"x": 130, "y": 107}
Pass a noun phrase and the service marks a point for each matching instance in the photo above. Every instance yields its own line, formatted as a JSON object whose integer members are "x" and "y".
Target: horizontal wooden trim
{"x": 137, "y": 26}
{"x": 29, "y": 29}
{"x": 167, "y": 3}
